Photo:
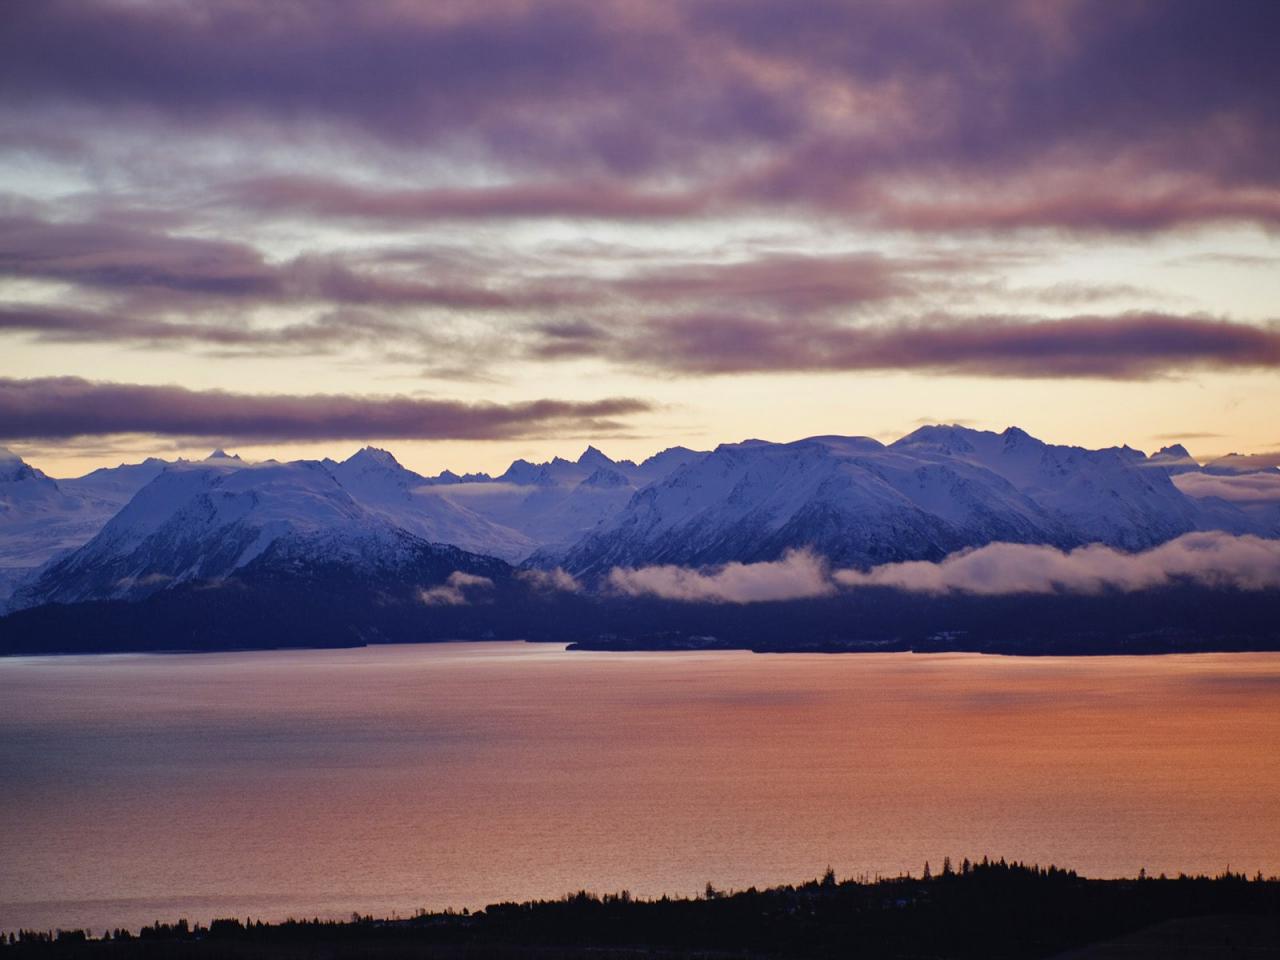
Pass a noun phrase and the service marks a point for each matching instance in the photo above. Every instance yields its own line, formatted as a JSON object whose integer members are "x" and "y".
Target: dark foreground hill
{"x": 987, "y": 910}
{"x": 342, "y": 607}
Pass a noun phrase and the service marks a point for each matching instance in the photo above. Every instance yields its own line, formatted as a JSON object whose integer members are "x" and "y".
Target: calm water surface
{"x": 390, "y": 778}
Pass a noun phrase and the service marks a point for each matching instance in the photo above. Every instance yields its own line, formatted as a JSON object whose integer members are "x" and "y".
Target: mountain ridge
{"x": 857, "y": 502}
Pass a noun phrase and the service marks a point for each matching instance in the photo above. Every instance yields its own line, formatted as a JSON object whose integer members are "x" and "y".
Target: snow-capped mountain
{"x": 1175, "y": 459}
{"x": 115, "y": 485}
{"x": 194, "y": 521}
{"x": 555, "y": 504}
{"x": 41, "y": 518}
{"x": 853, "y": 500}
{"x": 378, "y": 482}
{"x": 858, "y": 502}
{"x": 1097, "y": 496}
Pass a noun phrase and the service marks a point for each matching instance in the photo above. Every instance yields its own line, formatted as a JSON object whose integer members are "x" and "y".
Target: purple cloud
{"x": 824, "y": 103}
{"x": 1126, "y": 346}
{"x": 458, "y": 590}
{"x": 139, "y": 262}
{"x": 1217, "y": 560}
{"x": 337, "y": 200}
{"x": 791, "y": 283}
{"x": 1208, "y": 559}
{"x": 796, "y": 576}
{"x": 69, "y": 325}
{"x": 63, "y": 407}
{"x": 1246, "y": 488}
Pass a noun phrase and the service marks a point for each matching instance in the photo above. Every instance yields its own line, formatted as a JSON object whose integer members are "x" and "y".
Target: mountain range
{"x": 128, "y": 533}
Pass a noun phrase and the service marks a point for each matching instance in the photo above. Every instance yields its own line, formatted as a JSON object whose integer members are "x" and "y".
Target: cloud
{"x": 1207, "y": 559}
{"x": 556, "y": 580}
{"x": 167, "y": 270}
{"x": 1124, "y": 346}
{"x": 791, "y": 283}
{"x": 334, "y": 330}
{"x": 1211, "y": 559}
{"x": 1168, "y": 108}
{"x": 1245, "y": 463}
{"x": 1126, "y": 207}
{"x": 1239, "y": 488}
{"x": 62, "y": 407}
{"x": 796, "y": 576}
{"x": 338, "y": 200}
{"x": 766, "y": 313}
{"x": 1046, "y": 200}
{"x": 458, "y": 590}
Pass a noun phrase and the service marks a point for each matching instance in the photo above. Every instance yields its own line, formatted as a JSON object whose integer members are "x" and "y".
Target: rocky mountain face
{"x": 860, "y": 503}
{"x": 131, "y": 531}
{"x": 42, "y": 518}
{"x": 202, "y": 522}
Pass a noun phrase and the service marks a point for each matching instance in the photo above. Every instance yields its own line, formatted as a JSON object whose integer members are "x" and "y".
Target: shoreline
{"x": 1020, "y": 909}
{"x": 1091, "y": 647}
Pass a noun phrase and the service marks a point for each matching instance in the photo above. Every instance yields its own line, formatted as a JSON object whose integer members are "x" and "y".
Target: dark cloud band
{"x": 1126, "y": 346}
{"x": 604, "y": 108}
{"x": 64, "y": 407}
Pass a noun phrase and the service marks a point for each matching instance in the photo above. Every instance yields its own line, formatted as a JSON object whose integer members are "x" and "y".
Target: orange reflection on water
{"x": 387, "y": 778}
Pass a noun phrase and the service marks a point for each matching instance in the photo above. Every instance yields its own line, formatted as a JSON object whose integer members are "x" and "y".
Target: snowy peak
{"x": 1016, "y": 435}
{"x": 942, "y": 438}
{"x": 41, "y": 519}
{"x": 662, "y": 464}
{"x": 523, "y": 472}
{"x": 198, "y": 522}
{"x": 850, "y": 498}
{"x": 410, "y": 501}
{"x": 116, "y": 485}
{"x": 940, "y": 489}
{"x": 846, "y": 446}
{"x": 1175, "y": 459}
{"x": 373, "y": 457}
{"x": 221, "y": 454}
{"x": 14, "y": 469}
{"x": 593, "y": 459}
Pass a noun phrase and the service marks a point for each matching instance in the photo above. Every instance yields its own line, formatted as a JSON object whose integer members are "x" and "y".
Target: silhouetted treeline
{"x": 336, "y": 607}
{"x": 988, "y": 910}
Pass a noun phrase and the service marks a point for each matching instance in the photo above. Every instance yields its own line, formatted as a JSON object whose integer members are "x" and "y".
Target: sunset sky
{"x": 478, "y": 231}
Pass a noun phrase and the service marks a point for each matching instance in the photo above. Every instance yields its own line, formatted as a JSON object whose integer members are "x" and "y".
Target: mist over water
{"x": 384, "y": 779}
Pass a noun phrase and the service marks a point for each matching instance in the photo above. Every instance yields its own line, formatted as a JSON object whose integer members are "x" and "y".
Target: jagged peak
{"x": 520, "y": 471}
{"x": 220, "y": 454}
{"x": 1017, "y": 435}
{"x": 523, "y": 473}
{"x": 943, "y": 436}
{"x": 594, "y": 457}
{"x": 13, "y": 467}
{"x": 375, "y": 456}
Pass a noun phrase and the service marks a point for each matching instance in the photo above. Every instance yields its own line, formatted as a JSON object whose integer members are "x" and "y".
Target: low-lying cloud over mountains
{"x": 945, "y": 508}
{"x": 328, "y": 551}
{"x": 1213, "y": 559}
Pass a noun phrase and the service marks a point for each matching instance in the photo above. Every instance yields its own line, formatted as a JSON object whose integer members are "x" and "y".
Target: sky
{"x": 475, "y": 232}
